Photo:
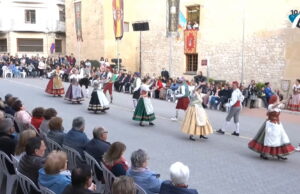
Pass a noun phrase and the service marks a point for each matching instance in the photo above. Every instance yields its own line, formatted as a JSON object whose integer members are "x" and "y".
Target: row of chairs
{"x": 74, "y": 158}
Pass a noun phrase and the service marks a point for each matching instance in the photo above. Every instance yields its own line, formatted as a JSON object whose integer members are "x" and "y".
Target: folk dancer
{"x": 109, "y": 81}
{"x": 74, "y": 93}
{"x": 136, "y": 88}
{"x": 182, "y": 98}
{"x": 85, "y": 75}
{"x": 144, "y": 109}
{"x": 271, "y": 139}
{"x": 196, "y": 121}
{"x": 55, "y": 85}
{"x": 98, "y": 100}
{"x": 235, "y": 106}
{"x": 294, "y": 103}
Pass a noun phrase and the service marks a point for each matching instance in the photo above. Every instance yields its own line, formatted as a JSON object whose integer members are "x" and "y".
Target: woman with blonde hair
{"x": 114, "y": 159}
{"x": 23, "y": 140}
{"x": 54, "y": 175}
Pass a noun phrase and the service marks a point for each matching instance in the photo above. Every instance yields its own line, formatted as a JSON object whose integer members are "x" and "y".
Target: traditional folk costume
{"x": 271, "y": 139}
{"x": 182, "y": 98}
{"x": 136, "y": 89}
{"x": 98, "y": 100}
{"x": 55, "y": 85}
{"x": 294, "y": 103}
{"x": 108, "y": 86}
{"x": 144, "y": 109}
{"x": 235, "y": 106}
{"x": 84, "y": 81}
{"x": 196, "y": 121}
{"x": 74, "y": 93}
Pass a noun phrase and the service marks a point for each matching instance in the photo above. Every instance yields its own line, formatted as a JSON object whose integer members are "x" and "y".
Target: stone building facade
{"x": 241, "y": 40}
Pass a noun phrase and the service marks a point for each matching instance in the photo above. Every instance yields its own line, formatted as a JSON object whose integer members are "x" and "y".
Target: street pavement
{"x": 223, "y": 164}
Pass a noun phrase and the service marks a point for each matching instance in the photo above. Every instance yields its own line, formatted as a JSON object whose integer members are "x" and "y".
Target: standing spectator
{"x": 225, "y": 95}
{"x": 200, "y": 80}
{"x": 268, "y": 91}
{"x": 140, "y": 173}
{"x": 37, "y": 117}
{"x": 56, "y": 132}
{"x": 196, "y": 26}
{"x": 54, "y": 175}
{"x": 7, "y": 141}
{"x": 33, "y": 160}
{"x": 42, "y": 67}
{"x": 252, "y": 94}
{"x": 48, "y": 114}
{"x": 123, "y": 185}
{"x": 165, "y": 74}
{"x": 76, "y": 138}
{"x": 261, "y": 94}
{"x": 158, "y": 86}
{"x": 114, "y": 159}
{"x": 179, "y": 174}
{"x": 81, "y": 181}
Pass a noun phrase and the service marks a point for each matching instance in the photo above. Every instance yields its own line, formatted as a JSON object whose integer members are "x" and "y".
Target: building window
{"x": 62, "y": 14}
{"x": 126, "y": 26}
{"x": 30, "y": 45}
{"x": 3, "y": 45}
{"x": 193, "y": 14}
{"x": 30, "y": 16}
{"x": 191, "y": 62}
{"x": 58, "y": 46}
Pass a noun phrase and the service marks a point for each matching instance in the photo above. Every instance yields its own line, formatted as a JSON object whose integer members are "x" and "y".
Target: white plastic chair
{"x": 109, "y": 178}
{"x": 10, "y": 178}
{"x": 45, "y": 190}
{"x": 26, "y": 183}
{"x": 74, "y": 157}
{"x": 6, "y": 71}
{"x": 139, "y": 190}
{"x": 91, "y": 161}
{"x": 52, "y": 145}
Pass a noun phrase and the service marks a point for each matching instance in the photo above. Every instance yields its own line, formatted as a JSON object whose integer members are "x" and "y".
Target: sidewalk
{"x": 286, "y": 115}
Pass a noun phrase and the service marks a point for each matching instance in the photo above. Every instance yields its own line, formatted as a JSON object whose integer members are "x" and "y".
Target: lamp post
{"x": 243, "y": 42}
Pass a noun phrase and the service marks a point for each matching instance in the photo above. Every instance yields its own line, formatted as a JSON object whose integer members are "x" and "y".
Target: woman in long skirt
{"x": 55, "y": 85}
{"x": 74, "y": 93}
{"x": 98, "y": 100}
{"x": 271, "y": 139}
{"x": 196, "y": 121}
{"x": 144, "y": 109}
{"x": 294, "y": 103}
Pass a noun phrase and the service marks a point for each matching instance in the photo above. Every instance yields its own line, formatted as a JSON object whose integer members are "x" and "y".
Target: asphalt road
{"x": 219, "y": 165}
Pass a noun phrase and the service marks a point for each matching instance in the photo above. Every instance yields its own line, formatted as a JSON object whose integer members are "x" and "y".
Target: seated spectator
{"x": 76, "y": 138}
{"x": 158, "y": 86}
{"x": 225, "y": 95}
{"x": 56, "y": 132}
{"x": 179, "y": 177}
{"x": 48, "y": 114}
{"x": 114, "y": 160}
{"x": 9, "y": 101}
{"x": 81, "y": 181}
{"x": 54, "y": 175}
{"x": 33, "y": 160}
{"x": 7, "y": 141}
{"x": 21, "y": 115}
{"x": 2, "y": 115}
{"x": 140, "y": 173}
{"x": 23, "y": 140}
{"x": 37, "y": 117}
{"x": 123, "y": 185}
{"x": 98, "y": 146}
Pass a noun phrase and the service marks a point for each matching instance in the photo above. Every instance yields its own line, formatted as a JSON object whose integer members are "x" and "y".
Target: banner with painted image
{"x": 190, "y": 41}
{"x": 78, "y": 27}
{"x": 118, "y": 16}
{"x": 173, "y": 15}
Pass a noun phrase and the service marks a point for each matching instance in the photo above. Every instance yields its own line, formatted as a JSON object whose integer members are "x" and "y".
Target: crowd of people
{"x": 23, "y": 136}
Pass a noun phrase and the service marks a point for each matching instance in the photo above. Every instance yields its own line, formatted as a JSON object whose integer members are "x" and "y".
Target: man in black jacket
{"x": 98, "y": 146}
{"x": 224, "y": 94}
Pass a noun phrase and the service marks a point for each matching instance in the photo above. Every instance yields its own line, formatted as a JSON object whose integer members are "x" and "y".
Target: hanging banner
{"x": 190, "y": 41}
{"x": 77, "y": 6}
{"x": 118, "y": 15}
{"x": 173, "y": 15}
